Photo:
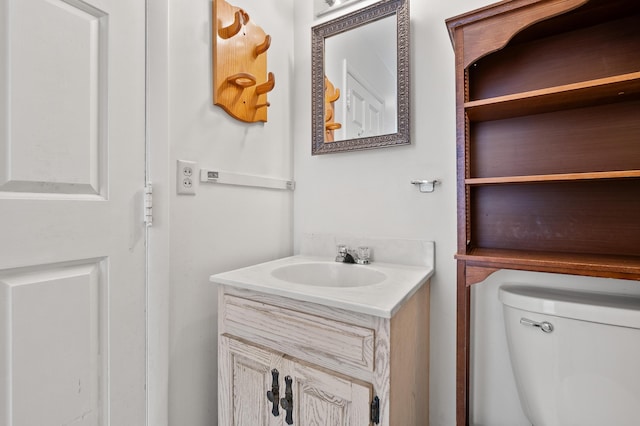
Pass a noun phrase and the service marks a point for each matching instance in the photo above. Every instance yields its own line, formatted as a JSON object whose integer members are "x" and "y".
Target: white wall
{"x": 222, "y": 227}
{"x": 368, "y": 193}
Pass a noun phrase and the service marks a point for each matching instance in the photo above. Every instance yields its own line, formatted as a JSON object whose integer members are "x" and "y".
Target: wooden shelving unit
{"x": 548, "y": 143}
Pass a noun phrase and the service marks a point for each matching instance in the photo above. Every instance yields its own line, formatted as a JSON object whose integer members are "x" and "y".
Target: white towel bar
{"x": 228, "y": 178}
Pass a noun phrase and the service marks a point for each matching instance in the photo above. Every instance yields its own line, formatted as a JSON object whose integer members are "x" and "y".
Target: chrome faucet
{"x": 343, "y": 255}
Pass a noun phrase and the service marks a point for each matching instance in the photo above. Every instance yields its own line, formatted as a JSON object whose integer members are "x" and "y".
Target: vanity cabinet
{"x": 345, "y": 368}
{"x": 548, "y": 145}
{"x": 318, "y": 396}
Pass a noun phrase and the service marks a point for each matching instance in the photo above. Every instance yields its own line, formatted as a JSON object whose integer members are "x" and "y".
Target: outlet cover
{"x": 186, "y": 177}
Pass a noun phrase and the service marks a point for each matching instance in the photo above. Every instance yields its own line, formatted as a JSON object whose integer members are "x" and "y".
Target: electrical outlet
{"x": 185, "y": 181}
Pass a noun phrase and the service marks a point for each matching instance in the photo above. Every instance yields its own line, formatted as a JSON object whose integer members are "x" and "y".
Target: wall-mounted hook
{"x": 239, "y": 19}
{"x": 264, "y": 46}
{"x": 331, "y": 94}
{"x": 242, "y": 79}
{"x": 332, "y": 97}
{"x": 328, "y": 117}
{"x": 426, "y": 185}
{"x": 266, "y": 86}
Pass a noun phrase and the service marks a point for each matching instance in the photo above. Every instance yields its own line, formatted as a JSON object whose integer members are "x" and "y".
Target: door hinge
{"x": 148, "y": 204}
{"x": 375, "y": 410}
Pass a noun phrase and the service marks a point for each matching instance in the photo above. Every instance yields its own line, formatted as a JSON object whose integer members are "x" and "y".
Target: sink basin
{"x": 329, "y": 274}
{"x": 379, "y": 289}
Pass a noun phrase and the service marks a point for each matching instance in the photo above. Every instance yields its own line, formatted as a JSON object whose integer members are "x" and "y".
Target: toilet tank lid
{"x": 605, "y": 308}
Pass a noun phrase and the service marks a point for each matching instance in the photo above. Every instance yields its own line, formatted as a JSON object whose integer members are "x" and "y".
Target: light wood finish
{"x": 325, "y": 397}
{"x": 410, "y": 399}
{"x": 331, "y": 95}
{"x": 548, "y": 99}
{"x": 263, "y": 47}
{"x": 267, "y": 86}
{"x": 400, "y": 373}
{"x": 320, "y": 396}
{"x": 243, "y": 381}
{"x": 299, "y": 334}
{"x": 240, "y": 79}
{"x": 239, "y": 18}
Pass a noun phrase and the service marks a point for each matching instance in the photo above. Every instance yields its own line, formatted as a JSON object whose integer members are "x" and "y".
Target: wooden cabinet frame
{"x": 548, "y": 159}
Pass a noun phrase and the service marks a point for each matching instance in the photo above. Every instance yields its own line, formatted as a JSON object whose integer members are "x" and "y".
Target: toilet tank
{"x": 575, "y": 355}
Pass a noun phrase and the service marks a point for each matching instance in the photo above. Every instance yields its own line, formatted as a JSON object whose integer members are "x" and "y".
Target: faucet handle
{"x": 343, "y": 255}
{"x": 363, "y": 255}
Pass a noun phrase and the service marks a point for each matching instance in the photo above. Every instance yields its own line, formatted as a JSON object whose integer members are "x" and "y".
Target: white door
{"x": 365, "y": 108}
{"x": 72, "y": 248}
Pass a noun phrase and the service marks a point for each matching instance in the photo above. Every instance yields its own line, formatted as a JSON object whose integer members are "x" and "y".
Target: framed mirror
{"x": 360, "y": 79}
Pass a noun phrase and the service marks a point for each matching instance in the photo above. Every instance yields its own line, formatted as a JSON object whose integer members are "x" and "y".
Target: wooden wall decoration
{"x": 240, "y": 79}
{"x": 331, "y": 94}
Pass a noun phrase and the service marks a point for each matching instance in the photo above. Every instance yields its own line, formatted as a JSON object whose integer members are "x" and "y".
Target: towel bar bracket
{"x": 426, "y": 185}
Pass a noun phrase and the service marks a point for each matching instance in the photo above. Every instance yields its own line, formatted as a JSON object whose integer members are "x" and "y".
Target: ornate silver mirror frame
{"x": 382, "y": 9}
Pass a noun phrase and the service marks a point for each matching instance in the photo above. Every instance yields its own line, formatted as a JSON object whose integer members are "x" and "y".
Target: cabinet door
{"x": 244, "y": 377}
{"x": 322, "y": 397}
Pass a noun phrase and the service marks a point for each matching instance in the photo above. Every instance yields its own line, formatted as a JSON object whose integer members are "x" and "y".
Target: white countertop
{"x": 383, "y": 299}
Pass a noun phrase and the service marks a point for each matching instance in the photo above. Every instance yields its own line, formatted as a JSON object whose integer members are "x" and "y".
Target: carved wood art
{"x": 331, "y": 94}
{"x": 240, "y": 79}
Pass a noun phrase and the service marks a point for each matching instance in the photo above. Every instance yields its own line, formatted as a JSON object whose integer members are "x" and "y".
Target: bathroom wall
{"x": 368, "y": 193}
{"x": 360, "y": 193}
{"x": 222, "y": 227}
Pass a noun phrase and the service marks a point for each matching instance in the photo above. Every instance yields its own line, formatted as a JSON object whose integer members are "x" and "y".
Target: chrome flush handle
{"x": 545, "y": 326}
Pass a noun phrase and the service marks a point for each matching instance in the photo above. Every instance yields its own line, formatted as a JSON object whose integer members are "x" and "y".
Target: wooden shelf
{"x": 548, "y": 159}
{"x": 601, "y": 91}
{"x": 559, "y": 177}
{"x": 623, "y": 267}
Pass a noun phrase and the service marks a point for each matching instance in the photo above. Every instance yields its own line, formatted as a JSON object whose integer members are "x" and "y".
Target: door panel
{"x": 320, "y": 397}
{"x": 244, "y": 377}
{"x": 56, "y": 127}
{"x": 365, "y": 108}
{"x": 327, "y": 398}
{"x": 55, "y": 314}
{"x": 72, "y": 252}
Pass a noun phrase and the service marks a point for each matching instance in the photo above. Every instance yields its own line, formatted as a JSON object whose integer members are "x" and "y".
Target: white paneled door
{"x": 72, "y": 240}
